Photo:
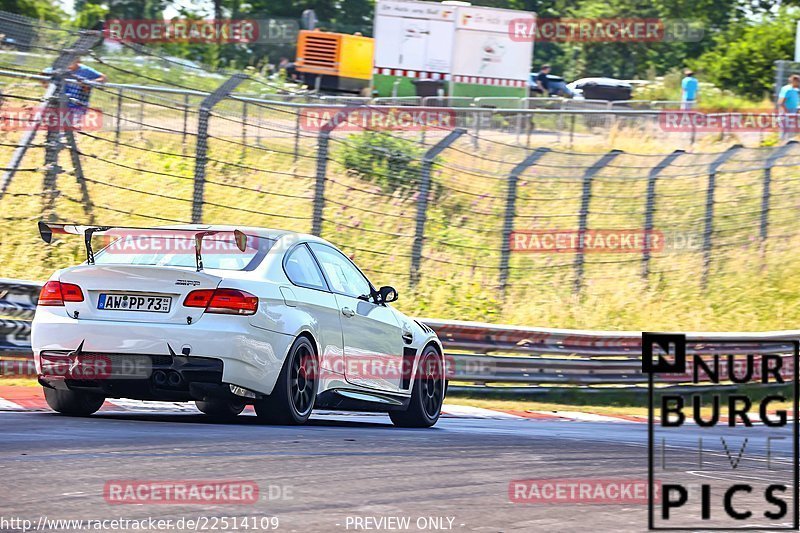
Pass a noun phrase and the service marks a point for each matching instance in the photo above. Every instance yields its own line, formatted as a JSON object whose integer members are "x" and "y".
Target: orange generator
{"x": 335, "y": 62}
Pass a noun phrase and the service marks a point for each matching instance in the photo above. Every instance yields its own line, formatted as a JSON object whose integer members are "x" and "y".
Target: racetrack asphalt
{"x": 336, "y": 473}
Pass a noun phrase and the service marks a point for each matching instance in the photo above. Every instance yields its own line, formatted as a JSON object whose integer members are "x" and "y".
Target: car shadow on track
{"x": 244, "y": 420}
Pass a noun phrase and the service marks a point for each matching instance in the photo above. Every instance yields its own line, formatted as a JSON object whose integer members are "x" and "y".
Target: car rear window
{"x": 218, "y": 251}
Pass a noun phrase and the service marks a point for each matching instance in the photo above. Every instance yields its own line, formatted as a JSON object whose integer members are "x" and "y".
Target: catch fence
{"x": 486, "y": 208}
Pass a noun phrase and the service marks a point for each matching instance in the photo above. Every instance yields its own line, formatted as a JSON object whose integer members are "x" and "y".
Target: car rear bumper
{"x": 139, "y": 377}
{"x": 228, "y": 347}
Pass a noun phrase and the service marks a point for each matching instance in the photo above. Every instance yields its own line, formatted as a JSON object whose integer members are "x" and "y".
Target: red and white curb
{"x": 30, "y": 399}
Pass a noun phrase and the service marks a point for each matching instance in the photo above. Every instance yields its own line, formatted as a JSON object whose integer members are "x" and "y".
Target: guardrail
{"x": 17, "y": 305}
{"x": 481, "y": 357}
{"x": 496, "y": 358}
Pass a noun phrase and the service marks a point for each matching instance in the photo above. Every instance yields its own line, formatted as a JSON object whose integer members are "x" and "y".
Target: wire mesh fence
{"x": 473, "y": 207}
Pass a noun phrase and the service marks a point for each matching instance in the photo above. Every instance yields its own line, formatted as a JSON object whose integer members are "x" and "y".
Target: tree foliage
{"x": 37, "y": 9}
{"x": 741, "y": 41}
{"x": 743, "y": 58}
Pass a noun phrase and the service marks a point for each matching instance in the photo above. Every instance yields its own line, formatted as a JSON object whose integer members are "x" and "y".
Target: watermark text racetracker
{"x": 188, "y": 492}
{"x": 611, "y": 241}
{"x": 579, "y": 490}
{"x": 212, "y": 31}
{"x": 604, "y": 30}
{"x": 377, "y": 118}
{"x": 66, "y": 118}
{"x": 680, "y": 121}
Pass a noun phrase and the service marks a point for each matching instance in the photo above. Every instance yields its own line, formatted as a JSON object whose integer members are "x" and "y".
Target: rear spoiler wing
{"x": 47, "y": 230}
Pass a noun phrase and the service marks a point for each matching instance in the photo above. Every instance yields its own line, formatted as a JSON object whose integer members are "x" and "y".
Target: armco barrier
{"x": 17, "y": 304}
{"x": 515, "y": 359}
{"x": 485, "y": 357}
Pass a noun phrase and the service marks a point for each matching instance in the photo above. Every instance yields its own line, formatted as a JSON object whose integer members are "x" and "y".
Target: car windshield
{"x": 219, "y": 250}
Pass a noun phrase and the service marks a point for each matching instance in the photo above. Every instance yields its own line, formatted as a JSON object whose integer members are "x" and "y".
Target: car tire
{"x": 427, "y": 395}
{"x": 295, "y": 392}
{"x": 220, "y": 408}
{"x": 73, "y": 403}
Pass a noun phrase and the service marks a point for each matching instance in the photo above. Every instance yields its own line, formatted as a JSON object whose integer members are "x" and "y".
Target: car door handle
{"x": 408, "y": 337}
{"x": 346, "y": 311}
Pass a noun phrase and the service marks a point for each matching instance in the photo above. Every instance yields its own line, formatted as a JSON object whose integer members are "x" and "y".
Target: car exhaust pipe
{"x": 160, "y": 378}
{"x": 174, "y": 379}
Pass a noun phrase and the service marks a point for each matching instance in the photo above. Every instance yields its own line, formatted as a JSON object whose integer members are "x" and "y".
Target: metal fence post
{"x": 765, "y": 195}
{"x": 478, "y": 117}
{"x": 422, "y": 201}
{"x": 54, "y": 145}
{"x": 244, "y": 130}
{"x": 257, "y": 124}
{"x": 185, "y": 130}
{"x": 571, "y": 130}
{"x": 297, "y": 135}
{"x": 85, "y": 42}
{"x": 583, "y": 215}
{"x": 529, "y": 124}
{"x": 118, "y": 124}
{"x": 323, "y": 140}
{"x": 511, "y": 201}
{"x": 52, "y": 148}
{"x": 86, "y": 201}
{"x": 201, "y": 155}
{"x": 140, "y": 126}
{"x": 650, "y": 207}
{"x": 319, "y": 183}
{"x": 709, "y": 217}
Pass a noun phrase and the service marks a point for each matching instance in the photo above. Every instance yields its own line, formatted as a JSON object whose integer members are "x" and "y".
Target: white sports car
{"x": 228, "y": 317}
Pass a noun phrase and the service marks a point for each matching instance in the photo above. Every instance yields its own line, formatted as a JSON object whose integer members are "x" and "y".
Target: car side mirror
{"x": 387, "y": 294}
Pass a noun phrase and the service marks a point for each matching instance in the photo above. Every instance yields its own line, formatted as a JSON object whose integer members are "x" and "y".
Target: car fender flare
{"x": 307, "y": 333}
{"x": 431, "y": 340}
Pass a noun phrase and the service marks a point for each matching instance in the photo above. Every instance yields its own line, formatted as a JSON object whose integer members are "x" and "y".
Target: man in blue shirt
{"x": 788, "y": 101}
{"x": 78, "y": 92}
{"x": 689, "y": 90}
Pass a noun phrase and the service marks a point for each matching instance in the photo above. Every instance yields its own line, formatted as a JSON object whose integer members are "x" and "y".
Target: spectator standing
{"x": 788, "y": 101}
{"x": 689, "y": 90}
{"x": 78, "y": 91}
{"x": 541, "y": 80}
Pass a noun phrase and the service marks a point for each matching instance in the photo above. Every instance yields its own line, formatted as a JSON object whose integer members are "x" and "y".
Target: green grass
{"x": 750, "y": 288}
{"x": 711, "y": 98}
{"x": 18, "y": 382}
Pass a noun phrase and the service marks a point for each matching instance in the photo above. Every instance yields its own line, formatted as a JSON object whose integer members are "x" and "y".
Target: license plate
{"x": 134, "y": 302}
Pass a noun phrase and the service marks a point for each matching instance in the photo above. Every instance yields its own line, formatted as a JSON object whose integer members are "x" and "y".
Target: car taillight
{"x": 56, "y": 293}
{"x": 225, "y": 301}
{"x": 199, "y": 298}
{"x": 232, "y": 301}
